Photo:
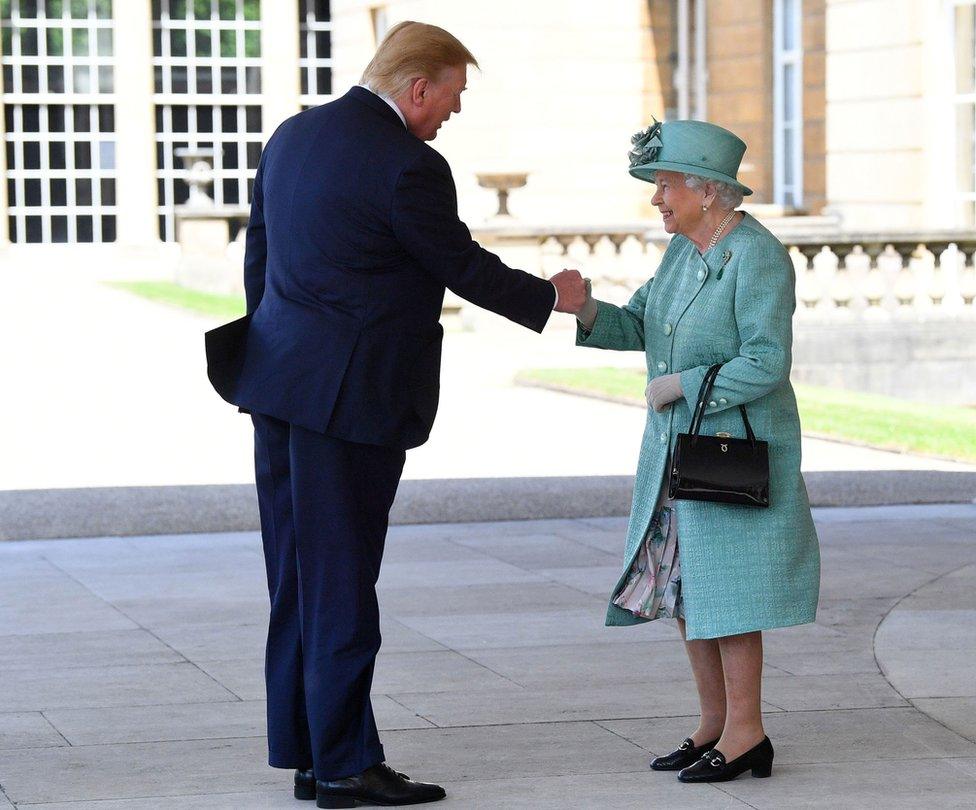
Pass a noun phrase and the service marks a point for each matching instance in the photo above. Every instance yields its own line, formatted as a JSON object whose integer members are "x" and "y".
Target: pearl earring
{"x": 704, "y": 208}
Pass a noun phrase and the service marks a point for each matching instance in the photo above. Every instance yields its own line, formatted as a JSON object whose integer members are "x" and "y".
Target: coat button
{"x": 667, "y": 329}
{"x": 723, "y": 401}
{"x": 712, "y": 404}
{"x": 664, "y": 438}
{"x": 662, "y": 366}
{"x": 701, "y": 274}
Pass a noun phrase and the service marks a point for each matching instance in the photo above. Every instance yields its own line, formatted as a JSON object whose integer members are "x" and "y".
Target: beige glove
{"x": 662, "y": 391}
{"x": 587, "y": 314}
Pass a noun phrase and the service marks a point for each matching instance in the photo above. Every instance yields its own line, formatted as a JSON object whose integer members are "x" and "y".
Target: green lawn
{"x": 878, "y": 421}
{"x": 221, "y": 307}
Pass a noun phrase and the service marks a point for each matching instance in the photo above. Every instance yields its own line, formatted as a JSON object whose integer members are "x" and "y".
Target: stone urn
{"x": 502, "y": 183}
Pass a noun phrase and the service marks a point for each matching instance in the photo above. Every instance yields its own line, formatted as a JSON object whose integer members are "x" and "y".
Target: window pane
{"x": 33, "y": 228}
{"x": 85, "y": 228}
{"x": 789, "y": 92}
{"x": 32, "y": 119}
{"x": 323, "y": 48}
{"x": 82, "y": 79}
{"x": 252, "y": 77}
{"x": 83, "y": 191}
{"x": 252, "y": 43}
{"x": 178, "y": 79}
{"x": 53, "y": 8}
{"x": 106, "y": 118}
{"x": 106, "y": 155}
{"x": 55, "y": 42}
{"x": 6, "y": 41}
{"x": 79, "y": 42}
{"x": 56, "y": 154}
{"x": 204, "y": 80}
{"x": 252, "y": 10}
{"x": 104, "y": 41}
{"x": 103, "y": 9}
{"x": 204, "y": 119}
{"x": 108, "y": 228}
{"x": 202, "y": 43}
{"x": 79, "y": 9}
{"x": 55, "y": 117}
{"x": 228, "y": 119}
{"x": 228, "y": 80}
{"x": 228, "y": 43}
{"x": 59, "y": 192}
{"x": 32, "y": 155}
{"x": 107, "y": 186}
{"x": 82, "y": 118}
{"x": 30, "y": 81}
{"x": 228, "y": 9}
{"x": 83, "y": 155}
{"x": 55, "y": 79}
{"x": 178, "y": 9}
{"x": 59, "y": 229}
{"x": 32, "y": 193}
{"x": 28, "y": 41}
{"x": 177, "y": 42}
{"x": 323, "y": 77}
{"x": 106, "y": 79}
{"x": 201, "y": 9}
{"x": 966, "y": 148}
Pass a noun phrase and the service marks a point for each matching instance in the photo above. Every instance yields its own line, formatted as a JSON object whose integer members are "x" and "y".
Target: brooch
{"x": 726, "y": 258}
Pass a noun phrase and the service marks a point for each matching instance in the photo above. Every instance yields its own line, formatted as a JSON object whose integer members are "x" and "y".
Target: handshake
{"x": 575, "y": 296}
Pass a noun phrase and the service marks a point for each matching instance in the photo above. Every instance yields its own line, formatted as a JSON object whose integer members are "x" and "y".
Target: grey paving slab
{"x": 496, "y": 677}
{"x": 79, "y": 687}
{"x": 474, "y": 599}
{"x": 852, "y": 735}
{"x": 592, "y": 580}
{"x": 534, "y": 629}
{"x": 958, "y": 714}
{"x": 187, "y": 721}
{"x": 138, "y": 770}
{"x": 878, "y": 785}
{"x": 280, "y": 799}
{"x": 537, "y": 551}
{"x": 476, "y": 571}
{"x": 548, "y": 705}
{"x": 574, "y": 665}
{"x": 847, "y": 662}
{"x": 54, "y": 603}
{"x": 638, "y": 790}
{"x": 511, "y": 751}
{"x": 84, "y": 649}
{"x": 27, "y": 730}
{"x": 803, "y": 693}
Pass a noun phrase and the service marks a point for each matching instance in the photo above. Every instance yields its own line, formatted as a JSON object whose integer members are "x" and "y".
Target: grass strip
{"x": 216, "y": 305}
{"x": 874, "y": 420}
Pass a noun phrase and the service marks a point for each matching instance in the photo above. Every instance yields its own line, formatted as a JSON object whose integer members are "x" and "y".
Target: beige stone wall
{"x": 740, "y": 86}
{"x": 562, "y": 87}
{"x": 885, "y": 120}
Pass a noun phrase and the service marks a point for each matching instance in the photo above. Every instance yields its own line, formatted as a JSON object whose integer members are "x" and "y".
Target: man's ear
{"x": 418, "y": 91}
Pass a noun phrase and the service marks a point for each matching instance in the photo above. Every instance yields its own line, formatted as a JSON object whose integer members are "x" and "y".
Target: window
{"x": 315, "y": 63}
{"x": 964, "y": 36}
{"x": 207, "y": 74}
{"x": 788, "y": 103}
{"x": 59, "y": 119}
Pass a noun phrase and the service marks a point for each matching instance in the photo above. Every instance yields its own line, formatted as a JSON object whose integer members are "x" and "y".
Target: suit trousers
{"x": 324, "y": 506}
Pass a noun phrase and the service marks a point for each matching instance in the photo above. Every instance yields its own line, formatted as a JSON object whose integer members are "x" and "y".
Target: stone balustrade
{"x": 839, "y": 275}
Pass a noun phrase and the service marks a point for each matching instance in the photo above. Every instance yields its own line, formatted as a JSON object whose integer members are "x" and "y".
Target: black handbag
{"x": 719, "y": 468}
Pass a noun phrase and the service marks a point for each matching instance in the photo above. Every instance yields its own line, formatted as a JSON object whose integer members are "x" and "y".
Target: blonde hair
{"x": 413, "y": 50}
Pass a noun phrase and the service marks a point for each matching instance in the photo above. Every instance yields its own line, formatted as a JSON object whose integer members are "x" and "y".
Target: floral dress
{"x": 653, "y": 586}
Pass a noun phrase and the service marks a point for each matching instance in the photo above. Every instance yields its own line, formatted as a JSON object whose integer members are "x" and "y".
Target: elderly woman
{"x": 724, "y": 293}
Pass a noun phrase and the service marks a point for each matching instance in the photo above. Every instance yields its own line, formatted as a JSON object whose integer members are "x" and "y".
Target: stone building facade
{"x": 863, "y": 109}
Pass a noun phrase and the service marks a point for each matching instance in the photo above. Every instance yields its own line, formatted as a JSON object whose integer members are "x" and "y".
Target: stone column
{"x": 280, "y": 81}
{"x": 135, "y": 126}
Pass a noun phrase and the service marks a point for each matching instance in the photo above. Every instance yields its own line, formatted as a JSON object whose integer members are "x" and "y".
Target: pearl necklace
{"x": 721, "y": 227}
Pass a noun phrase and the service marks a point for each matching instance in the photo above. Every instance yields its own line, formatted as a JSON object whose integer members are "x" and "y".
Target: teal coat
{"x": 742, "y": 568}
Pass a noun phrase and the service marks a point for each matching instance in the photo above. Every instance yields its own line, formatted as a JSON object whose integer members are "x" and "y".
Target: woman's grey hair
{"x": 727, "y": 196}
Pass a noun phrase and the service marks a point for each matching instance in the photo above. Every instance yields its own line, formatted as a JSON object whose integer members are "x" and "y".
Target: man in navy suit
{"x": 352, "y": 240}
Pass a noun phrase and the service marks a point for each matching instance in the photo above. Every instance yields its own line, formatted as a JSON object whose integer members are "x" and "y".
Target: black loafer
{"x": 305, "y": 784}
{"x": 377, "y": 785}
{"x": 712, "y": 767}
{"x": 684, "y": 755}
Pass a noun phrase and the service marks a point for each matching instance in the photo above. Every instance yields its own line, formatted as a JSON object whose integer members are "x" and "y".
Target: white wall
{"x": 559, "y": 94}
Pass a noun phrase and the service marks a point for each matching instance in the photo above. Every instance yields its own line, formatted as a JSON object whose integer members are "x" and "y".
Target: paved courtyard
{"x": 131, "y": 672}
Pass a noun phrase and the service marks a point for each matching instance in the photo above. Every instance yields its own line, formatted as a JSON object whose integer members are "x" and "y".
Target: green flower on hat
{"x": 647, "y": 144}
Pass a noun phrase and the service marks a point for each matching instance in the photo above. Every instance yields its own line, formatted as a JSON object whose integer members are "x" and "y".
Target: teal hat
{"x": 690, "y": 147}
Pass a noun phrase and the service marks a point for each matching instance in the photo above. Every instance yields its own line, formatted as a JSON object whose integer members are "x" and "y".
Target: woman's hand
{"x": 662, "y": 391}
{"x": 587, "y": 313}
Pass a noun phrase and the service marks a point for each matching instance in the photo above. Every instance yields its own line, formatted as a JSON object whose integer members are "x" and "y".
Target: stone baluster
{"x": 906, "y": 282}
{"x": 967, "y": 279}
{"x": 841, "y": 289}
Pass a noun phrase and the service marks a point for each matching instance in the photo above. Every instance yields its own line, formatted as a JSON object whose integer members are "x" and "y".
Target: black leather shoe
{"x": 712, "y": 767}
{"x": 305, "y": 784}
{"x": 684, "y": 755}
{"x": 377, "y": 785}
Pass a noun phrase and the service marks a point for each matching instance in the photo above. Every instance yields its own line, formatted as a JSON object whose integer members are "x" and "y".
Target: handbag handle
{"x": 703, "y": 394}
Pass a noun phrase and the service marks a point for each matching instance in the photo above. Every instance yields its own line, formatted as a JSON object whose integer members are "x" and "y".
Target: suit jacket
{"x": 352, "y": 239}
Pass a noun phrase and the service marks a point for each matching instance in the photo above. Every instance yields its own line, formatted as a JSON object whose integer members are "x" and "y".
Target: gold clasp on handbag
{"x": 723, "y": 435}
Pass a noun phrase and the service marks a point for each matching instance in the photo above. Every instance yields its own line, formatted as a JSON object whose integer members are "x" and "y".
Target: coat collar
{"x": 370, "y": 99}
